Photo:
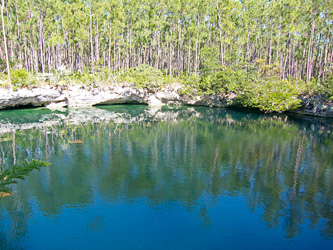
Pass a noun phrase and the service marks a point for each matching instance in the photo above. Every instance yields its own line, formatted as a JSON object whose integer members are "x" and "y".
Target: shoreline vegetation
{"x": 274, "y": 56}
{"x": 262, "y": 90}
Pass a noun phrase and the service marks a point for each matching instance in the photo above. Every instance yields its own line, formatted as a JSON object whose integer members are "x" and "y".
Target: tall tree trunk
{"x": 325, "y": 59}
{"x": 278, "y": 47}
{"x": 18, "y": 47}
{"x": 91, "y": 35}
{"x": 119, "y": 59}
{"x": 219, "y": 22}
{"x": 189, "y": 54}
{"x": 5, "y": 43}
{"x": 158, "y": 50}
{"x": 247, "y": 54}
{"x": 284, "y": 73}
{"x": 41, "y": 44}
{"x": 97, "y": 43}
{"x": 310, "y": 53}
{"x": 196, "y": 48}
{"x": 269, "y": 50}
{"x": 170, "y": 55}
{"x": 114, "y": 51}
{"x": 130, "y": 49}
{"x": 109, "y": 56}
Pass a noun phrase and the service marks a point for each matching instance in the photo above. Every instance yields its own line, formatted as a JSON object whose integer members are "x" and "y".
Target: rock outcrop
{"x": 315, "y": 106}
{"x": 35, "y": 97}
{"x": 80, "y": 96}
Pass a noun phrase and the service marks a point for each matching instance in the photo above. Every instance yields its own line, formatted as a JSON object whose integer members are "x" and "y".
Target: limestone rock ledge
{"x": 80, "y": 96}
{"x": 315, "y": 106}
{"x": 35, "y": 97}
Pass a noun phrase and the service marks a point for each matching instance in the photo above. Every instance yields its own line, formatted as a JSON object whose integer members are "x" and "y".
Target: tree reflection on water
{"x": 277, "y": 163}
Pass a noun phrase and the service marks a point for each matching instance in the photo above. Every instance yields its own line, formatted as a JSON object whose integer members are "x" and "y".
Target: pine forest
{"x": 212, "y": 44}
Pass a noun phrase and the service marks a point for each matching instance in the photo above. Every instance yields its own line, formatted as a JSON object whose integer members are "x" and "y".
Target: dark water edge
{"x": 170, "y": 178}
{"x": 315, "y": 123}
{"x": 36, "y": 115}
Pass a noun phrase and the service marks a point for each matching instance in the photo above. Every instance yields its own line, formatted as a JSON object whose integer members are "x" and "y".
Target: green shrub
{"x": 262, "y": 89}
{"x": 209, "y": 59}
{"x": 270, "y": 95}
{"x": 3, "y": 65}
{"x": 207, "y": 84}
{"x": 3, "y": 80}
{"x": 316, "y": 88}
{"x": 190, "y": 85}
{"x": 87, "y": 78}
{"x": 230, "y": 80}
{"x": 327, "y": 88}
{"x": 225, "y": 80}
{"x": 145, "y": 76}
{"x": 21, "y": 78}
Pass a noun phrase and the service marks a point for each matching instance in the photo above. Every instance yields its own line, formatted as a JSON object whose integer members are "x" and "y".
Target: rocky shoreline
{"x": 85, "y": 96}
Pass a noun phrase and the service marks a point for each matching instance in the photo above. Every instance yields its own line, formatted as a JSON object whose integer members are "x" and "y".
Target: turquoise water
{"x": 134, "y": 177}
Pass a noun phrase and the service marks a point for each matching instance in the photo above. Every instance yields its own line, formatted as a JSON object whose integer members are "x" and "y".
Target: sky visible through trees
{"x": 177, "y": 36}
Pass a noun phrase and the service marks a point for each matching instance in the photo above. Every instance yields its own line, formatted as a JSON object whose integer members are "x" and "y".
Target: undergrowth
{"x": 257, "y": 87}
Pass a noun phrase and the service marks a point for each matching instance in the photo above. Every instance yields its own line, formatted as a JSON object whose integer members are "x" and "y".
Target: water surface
{"x": 134, "y": 177}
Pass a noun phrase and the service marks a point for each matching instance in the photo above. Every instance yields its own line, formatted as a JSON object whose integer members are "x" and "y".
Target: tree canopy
{"x": 177, "y": 37}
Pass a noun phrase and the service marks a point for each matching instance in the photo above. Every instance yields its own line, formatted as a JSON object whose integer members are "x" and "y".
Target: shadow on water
{"x": 281, "y": 164}
{"x": 27, "y": 115}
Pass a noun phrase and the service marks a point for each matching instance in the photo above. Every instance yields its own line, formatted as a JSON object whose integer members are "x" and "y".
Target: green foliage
{"x": 21, "y": 78}
{"x": 179, "y": 36}
{"x": 190, "y": 85}
{"x": 224, "y": 80}
{"x": 323, "y": 89}
{"x": 262, "y": 89}
{"x": 207, "y": 84}
{"x": 3, "y": 80}
{"x": 3, "y": 65}
{"x": 231, "y": 80}
{"x": 327, "y": 88}
{"x": 266, "y": 91}
{"x": 209, "y": 59}
{"x": 270, "y": 95}
{"x": 311, "y": 88}
{"x": 11, "y": 176}
{"x": 86, "y": 78}
{"x": 145, "y": 76}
